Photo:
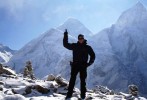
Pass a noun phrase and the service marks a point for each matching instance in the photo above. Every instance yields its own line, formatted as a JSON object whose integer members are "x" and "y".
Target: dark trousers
{"x": 82, "y": 69}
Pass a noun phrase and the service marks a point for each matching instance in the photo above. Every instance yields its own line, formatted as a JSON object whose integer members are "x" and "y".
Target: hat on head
{"x": 80, "y": 36}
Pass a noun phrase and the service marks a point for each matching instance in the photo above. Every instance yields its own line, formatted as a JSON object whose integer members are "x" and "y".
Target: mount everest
{"x": 121, "y": 52}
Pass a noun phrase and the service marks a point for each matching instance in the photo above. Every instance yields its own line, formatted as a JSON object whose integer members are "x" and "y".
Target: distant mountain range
{"x": 121, "y": 51}
{"x": 5, "y": 53}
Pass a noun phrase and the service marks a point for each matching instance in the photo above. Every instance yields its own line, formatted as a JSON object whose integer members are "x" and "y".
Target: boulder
{"x": 50, "y": 77}
{"x": 28, "y": 89}
{"x": 62, "y": 82}
{"x": 41, "y": 89}
{"x": 133, "y": 89}
{"x": 8, "y": 71}
{"x": 22, "y": 90}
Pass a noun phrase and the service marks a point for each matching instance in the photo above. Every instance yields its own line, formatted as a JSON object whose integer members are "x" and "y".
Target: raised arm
{"x": 65, "y": 41}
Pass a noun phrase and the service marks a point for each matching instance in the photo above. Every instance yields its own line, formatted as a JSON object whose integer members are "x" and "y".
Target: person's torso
{"x": 80, "y": 53}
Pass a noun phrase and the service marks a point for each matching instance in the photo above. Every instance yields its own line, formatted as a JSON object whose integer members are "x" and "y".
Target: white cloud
{"x": 62, "y": 11}
{"x": 69, "y": 8}
{"x": 15, "y": 8}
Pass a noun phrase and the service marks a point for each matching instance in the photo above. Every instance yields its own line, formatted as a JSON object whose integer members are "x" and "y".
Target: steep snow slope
{"x": 43, "y": 54}
{"x": 122, "y": 50}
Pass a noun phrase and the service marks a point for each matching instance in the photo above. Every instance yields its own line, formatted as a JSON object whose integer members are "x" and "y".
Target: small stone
{"x": 51, "y": 78}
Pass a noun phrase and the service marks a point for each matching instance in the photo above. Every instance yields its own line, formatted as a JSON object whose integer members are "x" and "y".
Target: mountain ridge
{"x": 135, "y": 15}
{"x": 5, "y": 53}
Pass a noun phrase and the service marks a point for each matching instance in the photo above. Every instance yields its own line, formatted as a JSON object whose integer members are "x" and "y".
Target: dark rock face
{"x": 1, "y": 88}
{"x": 28, "y": 89}
{"x": 41, "y": 89}
{"x": 4, "y": 70}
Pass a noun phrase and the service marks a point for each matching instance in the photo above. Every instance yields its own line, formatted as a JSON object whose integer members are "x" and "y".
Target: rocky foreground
{"x": 16, "y": 87}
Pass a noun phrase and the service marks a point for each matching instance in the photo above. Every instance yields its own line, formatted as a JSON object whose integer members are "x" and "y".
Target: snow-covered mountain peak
{"x": 133, "y": 16}
{"x": 72, "y": 21}
{"x": 4, "y": 48}
{"x": 5, "y": 53}
{"x": 75, "y": 27}
{"x": 49, "y": 32}
{"x": 139, "y": 6}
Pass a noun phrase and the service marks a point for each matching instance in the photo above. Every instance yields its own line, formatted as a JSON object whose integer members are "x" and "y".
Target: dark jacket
{"x": 80, "y": 51}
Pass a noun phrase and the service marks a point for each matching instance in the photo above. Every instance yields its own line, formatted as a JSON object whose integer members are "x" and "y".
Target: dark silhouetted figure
{"x": 81, "y": 53}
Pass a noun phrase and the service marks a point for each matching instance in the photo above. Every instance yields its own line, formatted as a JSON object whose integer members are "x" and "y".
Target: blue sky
{"x": 24, "y": 20}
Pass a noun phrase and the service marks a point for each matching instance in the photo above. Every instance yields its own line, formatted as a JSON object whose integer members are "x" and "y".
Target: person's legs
{"x": 74, "y": 72}
{"x": 83, "y": 76}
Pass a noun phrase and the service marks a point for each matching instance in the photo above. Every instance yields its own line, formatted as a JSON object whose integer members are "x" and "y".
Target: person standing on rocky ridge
{"x": 81, "y": 52}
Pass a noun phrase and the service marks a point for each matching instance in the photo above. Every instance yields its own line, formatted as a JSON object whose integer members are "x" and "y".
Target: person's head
{"x": 81, "y": 38}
